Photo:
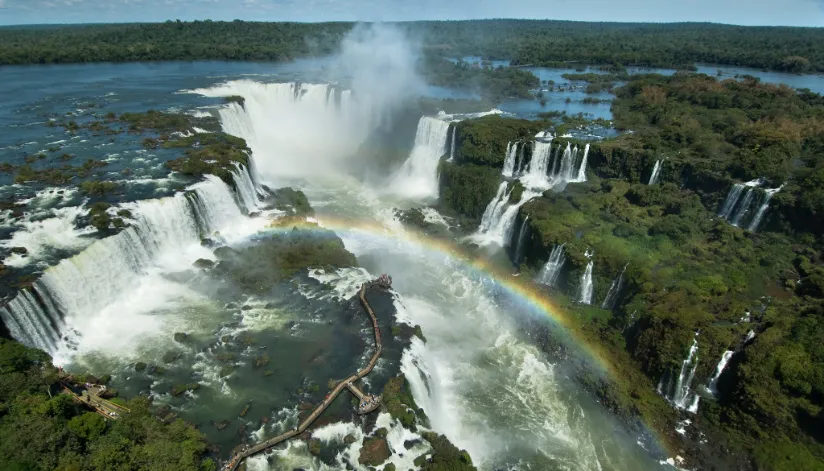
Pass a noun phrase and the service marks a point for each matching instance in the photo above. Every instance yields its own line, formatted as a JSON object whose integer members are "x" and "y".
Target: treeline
{"x": 535, "y": 42}
{"x": 42, "y": 429}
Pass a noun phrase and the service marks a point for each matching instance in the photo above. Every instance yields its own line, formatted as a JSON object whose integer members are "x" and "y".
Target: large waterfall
{"x": 495, "y": 208}
{"x": 418, "y": 177}
{"x": 75, "y": 294}
{"x": 550, "y": 272}
{"x": 677, "y": 390}
{"x": 298, "y": 129}
{"x": 614, "y": 289}
{"x": 510, "y": 163}
{"x": 722, "y": 364}
{"x": 498, "y": 221}
{"x": 653, "y": 179}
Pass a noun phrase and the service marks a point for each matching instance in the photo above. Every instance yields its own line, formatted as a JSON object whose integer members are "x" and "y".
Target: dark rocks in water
{"x": 314, "y": 446}
{"x": 226, "y": 370}
{"x": 409, "y": 444}
{"x": 155, "y": 370}
{"x": 269, "y": 306}
{"x": 226, "y": 253}
{"x": 139, "y": 366}
{"x": 245, "y": 410}
{"x": 230, "y": 306}
{"x": 179, "y": 389}
{"x": 349, "y": 439}
{"x": 254, "y": 215}
{"x": 246, "y": 307}
{"x": 209, "y": 243}
{"x": 203, "y": 263}
{"x": 171, "y": 356}
{"x": 374, "y": 451}
{"x": 20, "y": 250}
{"x": 290, "y": 324}
{"x": 293, "y": 202}
{"x": 181, "y": 337}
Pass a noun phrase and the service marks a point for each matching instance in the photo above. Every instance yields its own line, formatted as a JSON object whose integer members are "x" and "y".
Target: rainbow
{"x": 524, "y": 292}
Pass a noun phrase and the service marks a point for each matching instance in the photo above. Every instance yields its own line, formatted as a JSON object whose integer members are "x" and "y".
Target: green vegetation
{"x": 213, "y": 153}
{"x": 398, "y": 400}
{"x": 97, "y": 187}
{"x": 492, "y": 83}
{"x": 483, "y": 141}
{"x": 100, "y": 218}
{"x": 688, "y": 270}
{"x": 41, "y": 429}
{"x": 533, "y": 42}
{"x": 279, "y": 256}
{"x": 292, "y": 201}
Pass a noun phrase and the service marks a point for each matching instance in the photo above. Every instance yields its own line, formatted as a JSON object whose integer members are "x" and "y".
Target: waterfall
{"x": 452, "y": 145}
{"x": 653, "y": 179}
{"x": 582, "y": 169}
{"x": 418, "y": 177}
{"x": 494, "y": 208}
{"x": 585, "y": 289}
{"x": 734, "y": 207}
{"x": 536, "y": 175}
{"x": 743, "y": 207}
{"x": 762, "y": 208}
{"x": 519, "y": 245}
{"x": 246, "y": 190}
{"x": 498, "y": 221}
{"x": 614, "y": 289}
{"x": 713, "y": 382}
{"x": 165, "y": 231}
{"x": 519, "y": 167}
{"x": 550, "y": 272}
{"x": 509, "y": 162}
{"x": 678, "y": 393}
{"x": 750, "y": 336}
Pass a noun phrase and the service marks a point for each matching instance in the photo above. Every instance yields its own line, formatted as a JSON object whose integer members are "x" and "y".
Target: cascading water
{"x": 750, "y": 336}
{"x": 77, "y": 290}
{"x": 519, "y": 244}
{"x": 743, "y": 207}
{"x": 452, "y": 144}
{"x": 614, "y": 289}
{"x": 735, "y": 207}
{"x": 585, "y": 291}
{"x": 519, "y": 165}
{"x": 713, "y": 382}
{"x": 536, "y": 175}
{"x": 552, "y": 269}
{"x": 245, "y": 189}
{"x": 510, "y": 160}
{"x": 653, "y": 179}
{"x": 678, "y": 392}
{"x": 418, "y": 177}
{"x": 582, "y": 169}
{"x": 495, "y": 208}
{"x": 762, "y": 208}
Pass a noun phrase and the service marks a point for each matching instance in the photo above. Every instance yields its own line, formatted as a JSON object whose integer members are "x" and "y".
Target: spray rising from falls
{"x": 653, "y": 179}
{"x": 713, "y": 382}
{"x": 72, "y": 297}
{"x": 549, "y": 273}
{"x": 678, "y": 389}
{"x": 418, "y": 177}
{"x": 614, "y": 289}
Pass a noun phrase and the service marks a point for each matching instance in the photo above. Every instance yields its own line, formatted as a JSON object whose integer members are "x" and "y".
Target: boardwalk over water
{"x": 367, "y": 403}
{"x": 90, "y": 397}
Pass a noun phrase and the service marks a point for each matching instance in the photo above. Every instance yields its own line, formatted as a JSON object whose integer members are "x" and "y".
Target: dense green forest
{"x": 688, "y": 270}
{"x": 536, "y": 42}
{"x": 40, "y": 428}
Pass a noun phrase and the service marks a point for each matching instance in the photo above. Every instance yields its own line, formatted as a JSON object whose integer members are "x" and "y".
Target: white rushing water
{"x": 746, "y": 204}
{"x": 452, "y": 145}
{"x": 520, "y": 240}
{"x": 510, "y": 160}
{"x": 762, "y": 208}
{"x": 678, "y": 389}
{"x": 614, "y": 289}
{"x": 498, "y": 221}
{"x": 719, "y": 368}
{"x": 653, "y": 179}
{"x": 39, "y": 236}
{"x": 585, "y": 289}
{"x": 418, "y": 177}
{"x": 552, "y": 269}
{"x": 99, "y": 299}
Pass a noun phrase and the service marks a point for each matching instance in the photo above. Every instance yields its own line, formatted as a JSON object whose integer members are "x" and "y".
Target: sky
{"x": 743, "y": 12}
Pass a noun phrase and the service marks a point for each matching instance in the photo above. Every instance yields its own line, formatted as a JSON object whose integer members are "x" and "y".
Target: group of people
{"x": 369, "y": 402}
{"x": 385, "y": 280}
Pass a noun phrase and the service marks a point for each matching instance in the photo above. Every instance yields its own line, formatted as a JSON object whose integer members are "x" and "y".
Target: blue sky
{"x": 745, "y": 12}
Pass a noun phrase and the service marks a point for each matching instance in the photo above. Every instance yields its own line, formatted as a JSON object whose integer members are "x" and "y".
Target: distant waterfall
{"x": 452, "y": 145}
{"x": 614, "y": 289}
{"x": 510, "y": 160}
{"x": 762, "y": 208}
{"x": 519, "y": 244}
{"x": 418, "y": 177}
{"x": 653, "y": 179}
{"x": 582, "y": 169}
{"x": 550, "y": 272}
{"x": 550, "y": 168}
{"x": 678, "y": 391}
{"x": 713, "y": 382}
{"x": 78, "y": 288}
{"x": 585, "y": 289}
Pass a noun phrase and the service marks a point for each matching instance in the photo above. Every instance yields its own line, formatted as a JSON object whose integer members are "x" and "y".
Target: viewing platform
{"x": 367, "y": 402}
